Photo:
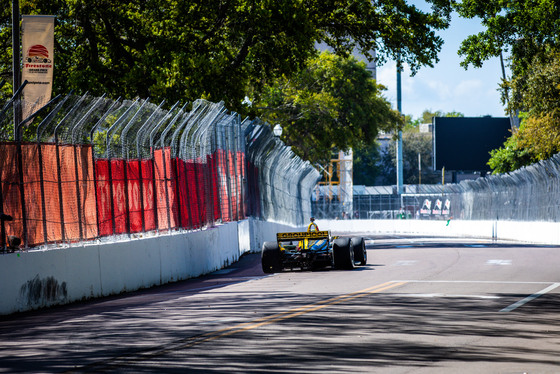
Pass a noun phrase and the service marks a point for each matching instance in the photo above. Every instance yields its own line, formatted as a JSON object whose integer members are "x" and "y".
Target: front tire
{"x": 359, "y": 247}
{"x": 343, "y": 255}
{"x": 271, "y": 258}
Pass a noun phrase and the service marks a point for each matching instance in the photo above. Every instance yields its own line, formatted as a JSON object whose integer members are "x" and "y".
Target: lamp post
{"x": 419, "y": 169}
{"x": 277, "y": 130}
{"x": 16, "y": 64}
{"x": 399, "y": 141}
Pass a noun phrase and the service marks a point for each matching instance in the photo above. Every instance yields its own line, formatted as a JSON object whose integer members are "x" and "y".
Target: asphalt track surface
{"x": 420, "y": 305}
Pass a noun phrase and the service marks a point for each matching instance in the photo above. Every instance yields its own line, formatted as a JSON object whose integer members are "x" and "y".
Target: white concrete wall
{"x": 529, "y": 232}
{"x": 41, "y": 278}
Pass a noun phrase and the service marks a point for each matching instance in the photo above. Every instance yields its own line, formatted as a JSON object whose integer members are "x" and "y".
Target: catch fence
{"x": 529, "y": 194}
{"x": 95, "y": 167}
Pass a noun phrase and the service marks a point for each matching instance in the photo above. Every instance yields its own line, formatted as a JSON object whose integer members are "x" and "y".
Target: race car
{"x": 312, "y": 250}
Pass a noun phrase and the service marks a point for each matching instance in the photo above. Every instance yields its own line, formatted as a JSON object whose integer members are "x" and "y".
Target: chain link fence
{"x": 529, "y": 194}
{"x": 280, "y": 182}
{"x": 95, "y": 167}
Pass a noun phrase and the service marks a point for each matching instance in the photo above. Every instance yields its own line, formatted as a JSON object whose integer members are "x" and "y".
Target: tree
{"x": 509, "y": 157}
{"x": 427, "y": 115}
{"x": 217, "y": 49}
{"x": 530, "y": 31}
{"x": 372, "y": 166}
{"x": 523, "y": 27}
{"x": 414, "y": 143}
{"x": 333, "y": 104}
{"x": 537, "y": 94}
{"x": 367, "y": 166}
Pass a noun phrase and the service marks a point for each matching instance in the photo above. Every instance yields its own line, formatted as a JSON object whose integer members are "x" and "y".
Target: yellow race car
{"x": 312, "y": 250}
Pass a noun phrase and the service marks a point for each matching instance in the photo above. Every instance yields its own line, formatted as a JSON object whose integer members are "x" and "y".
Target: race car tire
{"x": 343, "y": 255}
{"x": 271, "y": 258}
{"x": 359, "y": 247}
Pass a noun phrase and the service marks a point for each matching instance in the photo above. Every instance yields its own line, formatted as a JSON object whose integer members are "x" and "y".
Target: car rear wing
{"x": 284, "y": 236}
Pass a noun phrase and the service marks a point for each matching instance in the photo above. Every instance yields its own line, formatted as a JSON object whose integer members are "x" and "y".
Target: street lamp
{"x": 16, "y": 69}
{"x": 277, "y": 130}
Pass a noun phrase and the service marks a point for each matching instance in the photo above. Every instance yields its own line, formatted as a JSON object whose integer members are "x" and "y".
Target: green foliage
{"x": 100, "y": 142}
{"x": 372, "y": 166}
{"x": 331, "y": 105}
{"x": 414, "y": 143}
{"x": 366, "y": 168}
{"x": 526, "y": 28}
{"x": 536, "y": 92}
{"x": 427, "y": 115}
{"x": 510, "y": 157}
{"x": 216, "y": 49}
{"x": 530, "y": 31}
{"x": 410, "y": 123}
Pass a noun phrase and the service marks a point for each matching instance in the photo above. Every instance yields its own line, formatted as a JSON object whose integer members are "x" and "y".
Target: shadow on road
{"x": 183, "y": 328}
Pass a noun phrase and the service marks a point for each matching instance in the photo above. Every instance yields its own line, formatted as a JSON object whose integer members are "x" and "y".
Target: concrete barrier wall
{"x": 41, "y": 278}
{"x": 529, "y": 232}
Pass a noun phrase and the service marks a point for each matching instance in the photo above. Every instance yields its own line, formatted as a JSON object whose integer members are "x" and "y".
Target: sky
{"x": 448, "y": 86}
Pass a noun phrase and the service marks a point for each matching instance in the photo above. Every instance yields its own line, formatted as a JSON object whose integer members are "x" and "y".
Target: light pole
{"x": 419, "y": 169}
{"x": 399, "y": 141}
{"x": 16, "y": 65}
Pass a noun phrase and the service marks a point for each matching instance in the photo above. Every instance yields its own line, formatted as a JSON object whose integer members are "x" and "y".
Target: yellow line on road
{"x": 295, "y": 312}
{"x": 116, "y": 362}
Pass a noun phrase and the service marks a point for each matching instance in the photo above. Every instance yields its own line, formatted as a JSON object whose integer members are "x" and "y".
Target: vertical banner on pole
{"x": 37, "y": 37}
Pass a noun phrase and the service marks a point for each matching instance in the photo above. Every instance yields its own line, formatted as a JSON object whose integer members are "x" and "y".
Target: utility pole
{"x": 16, "y": 68}
{"x": 419, "y": 169}
{"x": 399, "y": 141}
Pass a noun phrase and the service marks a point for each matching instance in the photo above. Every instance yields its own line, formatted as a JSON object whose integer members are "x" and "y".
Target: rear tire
{"x": 343, "y": 255}
{"x": 359, "y": 247}
{"x": 271, "y": 258}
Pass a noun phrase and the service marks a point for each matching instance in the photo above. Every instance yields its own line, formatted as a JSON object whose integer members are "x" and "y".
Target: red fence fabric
{"x": 52, "y": 193}
{"x": 167, "y": 205}
{"x": 233, "y": 185}
{"x": 222, "y": 185}
{"x": 134, "y": 196}
{"x": 214, "y": 178}
{"x": 120, "y": 206}
{"x": 70, "y": 196}
{"x": 148, "y": 195}
{"x": 58, "y": 191}
{"x": 161, "y": 197}
{"x": 68, "y": 186}
{"x": 171, "y": 181}
{"x": 32, "y": 192}
{"x": 184, "y": 208}
{"x": 84, "y": 156}
{"x": 201, "y": 191}
{"x": 104, "y": 206}
{"x": 192, "y": 189}
{"x": 241, "y": 176}
{"x": 10, "y": 188}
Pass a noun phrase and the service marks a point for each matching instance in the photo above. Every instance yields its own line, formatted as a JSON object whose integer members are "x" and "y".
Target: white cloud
{"x": 469, "y": 88}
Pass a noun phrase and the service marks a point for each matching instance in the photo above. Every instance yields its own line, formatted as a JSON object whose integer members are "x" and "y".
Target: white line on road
{"x": 498, "y": 262}
{"x": 442, "y": 295}
{"x": 467, "y": 281}
{"x": 529, "y": 298}
{"x": 406, "y": 262}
